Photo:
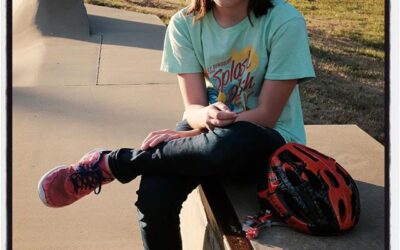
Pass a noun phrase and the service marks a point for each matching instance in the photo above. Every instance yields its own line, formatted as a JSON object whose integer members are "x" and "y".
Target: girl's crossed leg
{"x": 169, "y": 173}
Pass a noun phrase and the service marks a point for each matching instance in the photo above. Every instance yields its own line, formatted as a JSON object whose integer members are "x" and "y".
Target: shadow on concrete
{"x": 127, "y": 33}
{"x": 69, "y": 19}
{"x": 62, "y": 18}
{"x": 209, "y": 241}
{"x": 91, "y": 106}
{"x": 88, "y": 110}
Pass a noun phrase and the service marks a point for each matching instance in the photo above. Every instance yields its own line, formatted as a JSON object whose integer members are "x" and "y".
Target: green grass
{"x": 362, "y": 21}
{"x": 347, "y": 44}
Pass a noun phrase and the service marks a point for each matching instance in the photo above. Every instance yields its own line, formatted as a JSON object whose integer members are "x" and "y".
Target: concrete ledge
{"x": 360, "y": 154}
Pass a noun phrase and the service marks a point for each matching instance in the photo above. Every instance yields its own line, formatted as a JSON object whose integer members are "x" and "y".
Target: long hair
{"x": 199, "y": 8}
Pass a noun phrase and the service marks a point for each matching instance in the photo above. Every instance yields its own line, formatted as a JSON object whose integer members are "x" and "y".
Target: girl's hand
{"x": 165, "y": 135}
{"x": 218, "y": 115}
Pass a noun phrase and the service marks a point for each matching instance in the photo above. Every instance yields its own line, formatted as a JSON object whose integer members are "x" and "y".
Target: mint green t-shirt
{"x": 236, "y": 60}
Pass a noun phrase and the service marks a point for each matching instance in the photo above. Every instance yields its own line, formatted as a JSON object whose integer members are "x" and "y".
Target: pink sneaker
{"x": 64, "y": 185}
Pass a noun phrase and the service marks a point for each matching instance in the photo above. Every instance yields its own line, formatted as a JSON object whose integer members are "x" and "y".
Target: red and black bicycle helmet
{"x": 311, "y": 191}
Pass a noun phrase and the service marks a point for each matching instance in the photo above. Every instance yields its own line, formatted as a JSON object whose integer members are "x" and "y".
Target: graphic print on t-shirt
{"x": 233, "y": 78}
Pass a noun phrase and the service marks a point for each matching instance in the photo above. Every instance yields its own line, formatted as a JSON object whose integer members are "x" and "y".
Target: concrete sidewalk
{"x": 56, "y": 125}
{"x": 73, "y": 94}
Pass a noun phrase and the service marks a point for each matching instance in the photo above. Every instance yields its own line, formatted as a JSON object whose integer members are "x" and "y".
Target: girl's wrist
{"x": 196, "y": 117}
{"x": 196, "y": 131}
{"x": 191, "y": 133}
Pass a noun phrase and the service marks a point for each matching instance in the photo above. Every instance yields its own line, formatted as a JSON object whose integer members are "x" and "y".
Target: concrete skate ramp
{"x": 67, "y": 43}
{"x": 35, "y": 23}
{"x": 63, "y": 18}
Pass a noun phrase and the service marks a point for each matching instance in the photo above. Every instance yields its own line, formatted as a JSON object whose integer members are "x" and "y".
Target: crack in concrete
{"x": 98, "y": 64}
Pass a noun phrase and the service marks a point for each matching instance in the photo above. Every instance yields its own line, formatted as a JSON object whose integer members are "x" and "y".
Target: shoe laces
{"x": 87, "y": 178}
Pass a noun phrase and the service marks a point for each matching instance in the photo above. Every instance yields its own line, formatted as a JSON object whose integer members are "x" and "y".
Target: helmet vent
{"x": 289, "y": 157}
{"x": 342, "y": 209}
{"x": 306, "y": 153}
{"x": 293, "y": 206}
{"x": 313, "y": 180}
{"x": 332, "y": 179}
{"x": 293, "y": 177}
{"x": 344, "y": 175}
{"x": 327, "y": 222}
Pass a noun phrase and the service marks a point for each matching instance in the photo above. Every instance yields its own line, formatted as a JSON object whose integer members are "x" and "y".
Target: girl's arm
{"x": 198, "y": 113}
{"x": 273, "y": 98}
